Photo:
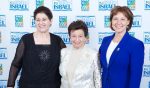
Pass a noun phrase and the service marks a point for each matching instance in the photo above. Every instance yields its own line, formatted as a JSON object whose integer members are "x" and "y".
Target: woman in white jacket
{"x": 79, "y": 66}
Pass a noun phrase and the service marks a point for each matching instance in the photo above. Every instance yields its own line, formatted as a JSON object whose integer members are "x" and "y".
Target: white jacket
{"x": 87, "y": 72}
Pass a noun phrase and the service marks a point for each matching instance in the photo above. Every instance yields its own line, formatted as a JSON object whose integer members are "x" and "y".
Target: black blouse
{"x": 39, "y": 63}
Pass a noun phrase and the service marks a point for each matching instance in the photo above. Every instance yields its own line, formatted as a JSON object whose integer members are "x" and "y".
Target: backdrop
{"x": 16, "y": 19}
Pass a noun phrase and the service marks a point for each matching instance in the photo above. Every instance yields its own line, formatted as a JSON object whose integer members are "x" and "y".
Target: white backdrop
{"x": 16, "y": 19}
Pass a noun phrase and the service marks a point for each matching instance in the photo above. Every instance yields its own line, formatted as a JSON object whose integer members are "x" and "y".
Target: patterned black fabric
{"x": 39, "y": 63}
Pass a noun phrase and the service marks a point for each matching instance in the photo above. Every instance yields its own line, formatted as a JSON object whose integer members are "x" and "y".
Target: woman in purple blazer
{"x": 121, "y": 55}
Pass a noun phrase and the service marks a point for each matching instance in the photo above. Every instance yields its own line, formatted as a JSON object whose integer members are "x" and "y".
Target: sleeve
{"x": 16, "y": 64}
{"x": 62, "y": 55}
{"x": 97, "y": 73}
{"x": 100, "y": 51}
{"x": 136, "y": 65}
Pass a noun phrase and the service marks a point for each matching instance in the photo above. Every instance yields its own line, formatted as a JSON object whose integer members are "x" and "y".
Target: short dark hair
{"x": 76, "y": 25}
{"x": 124, "y": 10}
{"x": 45, "y": 10}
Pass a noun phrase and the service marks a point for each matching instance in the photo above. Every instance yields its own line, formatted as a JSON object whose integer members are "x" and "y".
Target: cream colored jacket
{"x": 87, "y": 72}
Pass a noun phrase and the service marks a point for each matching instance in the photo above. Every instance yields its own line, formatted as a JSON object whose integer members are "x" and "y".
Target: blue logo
{"x": 20, "y": 5}
{"x": 63, "y": 21}
{"x": 3, "y": 53}
{"x": 32, "y": 21}
{"x": 39, "y": 3}
{"x": 131, "y": 4}
{"x": 1, "y": 69}
{"x": 101, "y": 35}
{"x": 146, "y": 71}
{"x": 19, "y": 20}
{"x": 3, "y": 84}
{"x": 64, "y": 36}
{"x": 16, "y": 36}
{"x": 132, "y": 34}
{"x": 62, "y": 5}
{"x": 146, "y": 37}
{"x": 85, "y": 5}
{"x": 2, "y": 21}
{"x": 89, "y": 20}
{"x": 106, "y": 4}
{"x": 149, "y": 55}
{"x": 107, "y": 21}
{"x": 147, "y": 4}
{"x": 137, "y": 21}
{"x": 0, "y": 37}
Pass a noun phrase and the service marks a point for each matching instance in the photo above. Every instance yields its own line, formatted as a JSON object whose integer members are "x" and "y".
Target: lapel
{"x": 66, "y": 58}
{"x": 105, "y": 50}
{"x": 119, "y": 47}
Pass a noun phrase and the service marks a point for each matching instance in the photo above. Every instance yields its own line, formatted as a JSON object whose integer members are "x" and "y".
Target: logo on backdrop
{"x": 18, "y": 20}
{"x": 131, "y": 4}
{"x": 32, "y": 21}
{"x": 106, "y": 21}
{"x": 147, "y": 4}
{"x": 132, "y": 34}
{"x": 137, "y": 21}
{"x": 3, "y": 53}
{"x": 1, "y": 70}
{"x": 0, "y": 37}
{"x": 148, "y": 55}
{"x": 62, "y": 5}
{"x": 85, "y": 5}
{"x": 21, "y": 5}
{"x": 146, "y": 71}
{"x": 101, "y": 35}
{"x": 107, "y": 4}
{"x": 16, "y": 36}
{"x": 64, "y": 36}
{"x": 39, "y": 3}
{"x": 149, "y": 84}
{"x": 62, "y": 21}
{"x": 2, "y": 21}
{"x": 89, "y": 20}
{"x": 3, "y": 84}
{"x": 146, "y": 37}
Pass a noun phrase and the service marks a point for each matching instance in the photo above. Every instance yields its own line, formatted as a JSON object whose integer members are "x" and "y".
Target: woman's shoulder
{"x": 91, "y": 50}
{"x": 92, "y": 54}
{"x": 55, "y": 36}
{"x": 67, "y": 49}
{"x": 135, "y": 42}
{"x": 64, "y": 49}
{"x": 107, "y": 37}
{"x": 135, "y": 45}
{"x": 27, "y": 36}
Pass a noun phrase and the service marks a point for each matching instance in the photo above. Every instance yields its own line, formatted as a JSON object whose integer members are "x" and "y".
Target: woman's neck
{"x": 42, "y": 34}
{"x": 77, "y": 49}
{"x": 41, "y": 38}
{"x": 118, "y": 36}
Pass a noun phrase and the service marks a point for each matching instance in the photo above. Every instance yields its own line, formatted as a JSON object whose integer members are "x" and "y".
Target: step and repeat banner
{"x": 16, "y": 19}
